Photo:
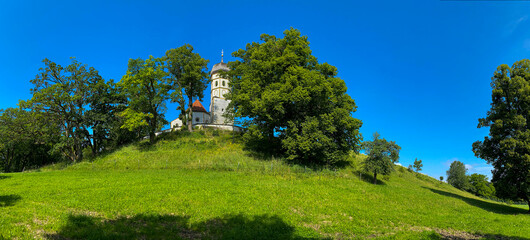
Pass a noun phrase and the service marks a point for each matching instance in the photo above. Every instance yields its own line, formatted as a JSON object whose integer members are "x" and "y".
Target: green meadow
{"x": 206, "y": 186}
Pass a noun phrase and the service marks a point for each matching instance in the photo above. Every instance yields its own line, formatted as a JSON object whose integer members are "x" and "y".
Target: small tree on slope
{"x": 418, "y": 165}
{"x": 381, "y": 156}
{"x": 456, "y": 175}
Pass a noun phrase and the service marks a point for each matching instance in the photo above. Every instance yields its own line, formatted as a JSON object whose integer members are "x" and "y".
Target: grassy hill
{"x": 201, "y": 186}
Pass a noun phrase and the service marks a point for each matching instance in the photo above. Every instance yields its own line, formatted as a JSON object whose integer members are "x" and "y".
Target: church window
{"x": 196, "y": 119}
{"x": 223, "y": 83}
{"x": 216, "y": 83}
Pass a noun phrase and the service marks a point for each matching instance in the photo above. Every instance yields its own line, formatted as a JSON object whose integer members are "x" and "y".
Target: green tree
{"x": 456, "y": 175}
{"x": 507, "y": 148}
{"x": 145, "y": 86}
{"x": 441, "y": 178}
{"x": 26, "y": 139}
{"x": 290, "y": 102}
{"x": 382, "y": 155}
{"x": 410, "y": 168}
{"x": 105, "y": 103}
{"x": 188, "y": 77}
{"x": 63, "y": 93}
{"x": 479, "y": 185}
{"x": 418, "y": 165}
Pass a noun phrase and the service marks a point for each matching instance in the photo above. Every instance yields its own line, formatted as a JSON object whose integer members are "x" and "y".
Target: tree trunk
{"x": 375, "y": 177}
{"x": 190, "y": 114}
{"x": 528, "y": 201}
{"x": 152, "y": 129}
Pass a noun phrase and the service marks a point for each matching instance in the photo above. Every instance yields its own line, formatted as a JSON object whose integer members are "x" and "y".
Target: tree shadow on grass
{"x": 488, "y": 206}
{"x": 8, "y": 200}
{"x": 369, "y": 178}
{"x": 175, "y": 227}
{"x": 4, "y": 177}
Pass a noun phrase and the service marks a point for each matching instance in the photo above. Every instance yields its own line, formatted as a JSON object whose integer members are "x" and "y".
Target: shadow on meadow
{"x": 175, "y": 227}
{"x": 4, "y": 177}
{"x": 8, "y": 200}
{"x": 488, "y": 206}
{"x": 369, "y": 178}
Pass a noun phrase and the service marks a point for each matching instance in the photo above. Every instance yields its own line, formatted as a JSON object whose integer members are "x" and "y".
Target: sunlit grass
{"x": 205, "y": 186}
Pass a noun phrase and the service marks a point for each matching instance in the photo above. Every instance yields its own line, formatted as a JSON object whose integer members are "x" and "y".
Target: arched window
{"x": 196, "y": 119}
{"x": 223, "y": 83}
{"x": 216, "y": 83}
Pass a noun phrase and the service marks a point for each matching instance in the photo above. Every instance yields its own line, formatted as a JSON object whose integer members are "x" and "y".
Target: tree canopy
{"x": 507, "y": 148}
{"x": 65, "y": 94}
{"x": 26, "y": 139}
{"x": 456, "y": 175}
{"x": 480, "y": 186}
{"x": 146, "y": 88}
{"x": 382, "y": 155}
{"x": 188, "y": 77}
{"x": 418, "y": 165}
{"x": 290, "y": 102}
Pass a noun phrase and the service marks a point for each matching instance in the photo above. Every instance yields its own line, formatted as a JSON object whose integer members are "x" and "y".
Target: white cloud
{"x": 468, "y": 167}
{"x": 399, "y": 164}
{"x": 511, "y": 27}
{"x": 485, "y": 169}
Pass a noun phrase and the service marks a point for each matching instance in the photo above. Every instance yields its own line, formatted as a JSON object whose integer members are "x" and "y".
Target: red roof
{"x": 197, "y": 107}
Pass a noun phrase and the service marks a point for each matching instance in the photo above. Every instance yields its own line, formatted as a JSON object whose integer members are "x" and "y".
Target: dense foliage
{"x": 382, "y": 155}
{"x": 290, "y": 102}
{"x": 188, "y": 77}
{"x": 456, "y": 175}
{"x": 507, "y": 147}
{"x": 480, "y": 186}
{"x": 146, "y": 88}
{"x": 26, "y": 139}
{"x": 78, "y": 100}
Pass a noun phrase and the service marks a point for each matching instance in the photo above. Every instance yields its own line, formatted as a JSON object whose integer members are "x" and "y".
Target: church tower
{"x": 218, "y": 103}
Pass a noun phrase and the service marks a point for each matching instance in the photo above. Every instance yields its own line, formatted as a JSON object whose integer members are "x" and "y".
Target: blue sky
{"x": 419, "y": 71}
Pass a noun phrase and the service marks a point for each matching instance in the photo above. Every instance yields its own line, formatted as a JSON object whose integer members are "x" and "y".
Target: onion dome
{"x": 219, "y": 67}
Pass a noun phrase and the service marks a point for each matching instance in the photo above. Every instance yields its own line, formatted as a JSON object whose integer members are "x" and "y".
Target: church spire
{"x": 222, "y": 54}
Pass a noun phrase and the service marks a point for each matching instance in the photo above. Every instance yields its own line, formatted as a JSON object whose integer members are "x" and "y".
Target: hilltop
{"x": 205, "y": 185}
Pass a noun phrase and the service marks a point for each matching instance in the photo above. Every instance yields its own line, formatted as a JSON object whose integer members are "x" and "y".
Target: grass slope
{"x": 202, "y": 187}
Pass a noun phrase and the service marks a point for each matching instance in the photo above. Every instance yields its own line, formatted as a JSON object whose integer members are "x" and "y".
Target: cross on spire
{"x": 222, "y": 54}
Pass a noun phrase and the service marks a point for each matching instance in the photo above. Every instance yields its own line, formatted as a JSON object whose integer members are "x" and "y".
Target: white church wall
{"x": 219, "y": 108}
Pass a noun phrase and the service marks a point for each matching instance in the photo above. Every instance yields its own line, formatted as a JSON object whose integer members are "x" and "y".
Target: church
{"x": 218, "y": 104}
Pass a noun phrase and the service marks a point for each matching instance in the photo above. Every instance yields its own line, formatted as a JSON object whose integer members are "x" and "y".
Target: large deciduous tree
{"x": 456, "y": 175}
{"x": 102, "y": 118}
{"x": 292, "y": 103}
{"x": 479, "y": 185}
{"x": 63, "y": 93}
{"x": 507, "y": 147}
{"x": 188, "y": 77}
{"x": 382, "y": 155}
{"x": 79, "y": 100}
{"x": 146, "y": 88}
{"x": 26, "y": 138}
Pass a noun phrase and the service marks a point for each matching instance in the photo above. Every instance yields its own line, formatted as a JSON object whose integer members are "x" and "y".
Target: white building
{"x": 218, "y": 104}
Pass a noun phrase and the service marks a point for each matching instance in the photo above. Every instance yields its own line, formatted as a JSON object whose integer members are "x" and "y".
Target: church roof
{"x": 197, "y": 107}
{"x": 219, "y": 67}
